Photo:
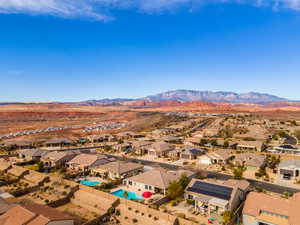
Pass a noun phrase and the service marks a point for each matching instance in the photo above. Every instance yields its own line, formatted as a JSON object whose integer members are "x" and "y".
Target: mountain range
{"x": 181, "y": 96}
{"x": 205, "y": 96}
{"x": 220, "y": 96}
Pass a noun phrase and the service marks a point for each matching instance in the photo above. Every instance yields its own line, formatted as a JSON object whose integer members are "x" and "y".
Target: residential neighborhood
{"x": 208, "y": 180}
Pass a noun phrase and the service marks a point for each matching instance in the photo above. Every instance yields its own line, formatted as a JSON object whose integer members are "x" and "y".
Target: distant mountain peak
{"x": 218, "y": 96}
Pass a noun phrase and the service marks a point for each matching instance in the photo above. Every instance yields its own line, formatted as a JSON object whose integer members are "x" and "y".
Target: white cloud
{"x": 100, "y": 9}
{"x": 61, "y": 8}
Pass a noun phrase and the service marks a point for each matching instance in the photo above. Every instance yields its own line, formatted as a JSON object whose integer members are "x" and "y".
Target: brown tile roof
{"x": 157, "y": 178}
{"x": 17, "y": 216}
{"x": 241, "y": 184}
{"x": 256, "y": 144}
{"x": 86, "y": 159}
{"x": 33, "y": 152}
{"x": 220, "y": 154}
{"x": 256, "y": 202}
{"x": 39, "y": 220}
{"x": 57, "y": 155}
{"x": 250, "y": 159}
{"x": 161, "y": 146}
{"x": 138, "y": 144}
{"x": 17, "y": 143}
{"x": 31, "y": 214}
{"x": 5, "y": 206}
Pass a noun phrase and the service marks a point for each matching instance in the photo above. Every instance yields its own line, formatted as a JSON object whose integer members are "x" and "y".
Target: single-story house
{"x": 141, "y": 147}
{"x": 32, "y": 154}
{"x": 192, "y": 141}
{"x": 171, "y": 139}
{"x": 205, "y": 159}
{"x": 163, "y": 131}
{"x": 220, "y": 156}
{"x": 160, "y": 149}
{"x": 124, "y": 147}
{"x": 156, "y": 180}
{"x": 174, "y": 154}
{"x": 84, "y": 162}
{"x": 289, "y": 169}
{"x": 58, "y": 158}
{"x": 30, "y": 213}
{"x": 128, "y": 135}
{"x": 99, "y": 138}
{"x": 58, "y": 142}
{"x": 190, "y": 153}
{"x": 215, "y": 197}
{"x": 118, "y": 170}
{"x": 250, "y": 160}
{"x": 250, "y": 145}
{"x": 265, "y": 209}
{"x": 17, "y": 144}
{"x": 286, "y": 149}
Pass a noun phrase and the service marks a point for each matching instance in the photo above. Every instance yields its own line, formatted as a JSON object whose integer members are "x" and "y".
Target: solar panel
{"x": 213, "y": 190}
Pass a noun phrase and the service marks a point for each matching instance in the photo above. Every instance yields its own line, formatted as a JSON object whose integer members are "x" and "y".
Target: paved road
{"x": 211, "y": 174}
{"x": 264, "y": 185}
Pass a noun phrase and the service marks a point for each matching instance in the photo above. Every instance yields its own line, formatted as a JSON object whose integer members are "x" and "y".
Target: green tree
{"x": 40, "y": 166}
{"x": 238, "y": 172}
{"x": 214, "y": 142}
{"x": 176, "y": 188}
{"x": 184, "y": 181}
{"x": 294, "y": 123}
{"x": 203, "y": 142}
{"x": 227, "y": 217}
{"x": 226, "y": 144}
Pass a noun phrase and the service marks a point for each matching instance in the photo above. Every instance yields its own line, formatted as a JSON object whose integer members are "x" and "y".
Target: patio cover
{"x": 218, "y": 202}
{"x": 202, "y": 198}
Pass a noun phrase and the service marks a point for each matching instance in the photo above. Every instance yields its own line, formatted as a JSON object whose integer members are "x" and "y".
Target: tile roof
{"x": 32, "y": 152}
{"x": 86, "y": 159}
{"x": 250, "y": 159}
{"x": 57, "y": 155}
{"x": 192, "y": 151}
{"x": 256, "y": 202}
{"x": 31, "y": 214}
{"x": 157, "y": 178}
{"x": 161, "y": 146}
{"x": 220, "y": 154}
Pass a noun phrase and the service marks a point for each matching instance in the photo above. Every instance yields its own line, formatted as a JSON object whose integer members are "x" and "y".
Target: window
{"x": 130, "y": 182}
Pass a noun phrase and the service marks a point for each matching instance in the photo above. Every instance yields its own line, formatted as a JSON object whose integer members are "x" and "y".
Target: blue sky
{"x": 71, "y": 50}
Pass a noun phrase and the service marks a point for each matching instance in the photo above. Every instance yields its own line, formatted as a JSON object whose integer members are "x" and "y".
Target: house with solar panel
{"x": 214, "y": 198}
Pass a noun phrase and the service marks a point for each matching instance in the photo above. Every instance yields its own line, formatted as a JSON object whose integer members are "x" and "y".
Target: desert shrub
{"x": 181, "y": 215}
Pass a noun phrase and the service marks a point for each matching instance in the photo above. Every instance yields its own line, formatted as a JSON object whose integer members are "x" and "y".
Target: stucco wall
{"x": 249, "y": 220}
{"x": 66, "y": 222}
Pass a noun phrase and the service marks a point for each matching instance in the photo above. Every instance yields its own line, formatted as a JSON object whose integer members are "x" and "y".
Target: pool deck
{"x": 140, "y": 193}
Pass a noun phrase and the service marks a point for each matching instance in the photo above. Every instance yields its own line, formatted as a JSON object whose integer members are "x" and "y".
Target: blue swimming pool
{"x": 89, "y": 183}
{"x": 130, "y": 195}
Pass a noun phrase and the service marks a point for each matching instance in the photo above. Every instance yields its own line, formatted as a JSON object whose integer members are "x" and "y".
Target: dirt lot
{"x": 14, "y": 118}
